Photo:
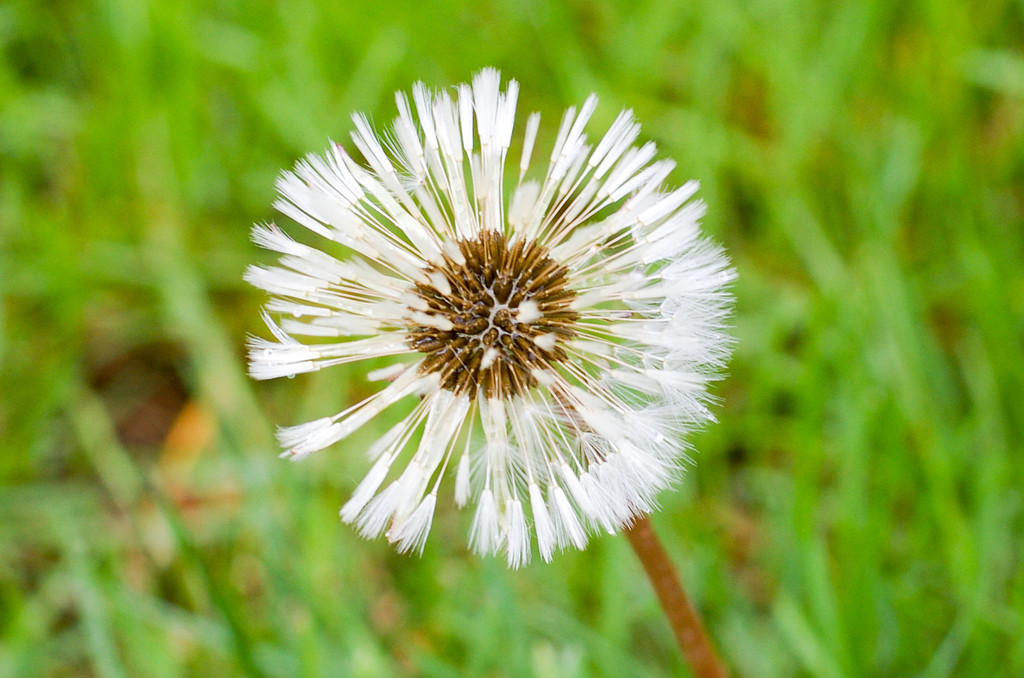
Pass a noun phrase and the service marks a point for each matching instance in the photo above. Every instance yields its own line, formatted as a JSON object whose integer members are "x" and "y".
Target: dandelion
{"x": 548, "y": 340}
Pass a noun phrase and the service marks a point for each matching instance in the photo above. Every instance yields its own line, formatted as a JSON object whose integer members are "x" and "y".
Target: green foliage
{"x": 858, "y": 511}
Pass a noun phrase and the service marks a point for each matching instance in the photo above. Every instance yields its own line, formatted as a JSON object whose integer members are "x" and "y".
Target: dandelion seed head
{"x": 554, "y": 332}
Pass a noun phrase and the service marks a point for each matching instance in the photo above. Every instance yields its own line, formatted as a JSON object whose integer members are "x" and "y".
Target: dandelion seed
{"x": 552, "y": 338}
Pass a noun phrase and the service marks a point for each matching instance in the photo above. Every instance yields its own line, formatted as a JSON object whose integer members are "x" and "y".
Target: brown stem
{"x": 690, "y": 634}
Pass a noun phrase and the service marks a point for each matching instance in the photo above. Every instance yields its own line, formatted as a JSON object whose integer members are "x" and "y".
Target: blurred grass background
{"x": 859, "y": 510}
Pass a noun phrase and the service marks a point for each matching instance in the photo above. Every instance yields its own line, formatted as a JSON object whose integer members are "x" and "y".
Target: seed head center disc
{"x": 497, "y": 316}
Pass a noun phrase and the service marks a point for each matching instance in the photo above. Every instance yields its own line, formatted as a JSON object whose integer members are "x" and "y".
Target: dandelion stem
{"x": 686, "y": 624}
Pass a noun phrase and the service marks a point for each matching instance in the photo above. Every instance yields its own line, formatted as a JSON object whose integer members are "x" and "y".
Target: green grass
{"x": 858, "y": 510}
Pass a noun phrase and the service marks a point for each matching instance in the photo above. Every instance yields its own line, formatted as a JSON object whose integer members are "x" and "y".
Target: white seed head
{"x": 555, "y": 340}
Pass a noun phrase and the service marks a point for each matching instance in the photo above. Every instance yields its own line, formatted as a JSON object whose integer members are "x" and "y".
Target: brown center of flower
{"x": 509, "y": 310}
